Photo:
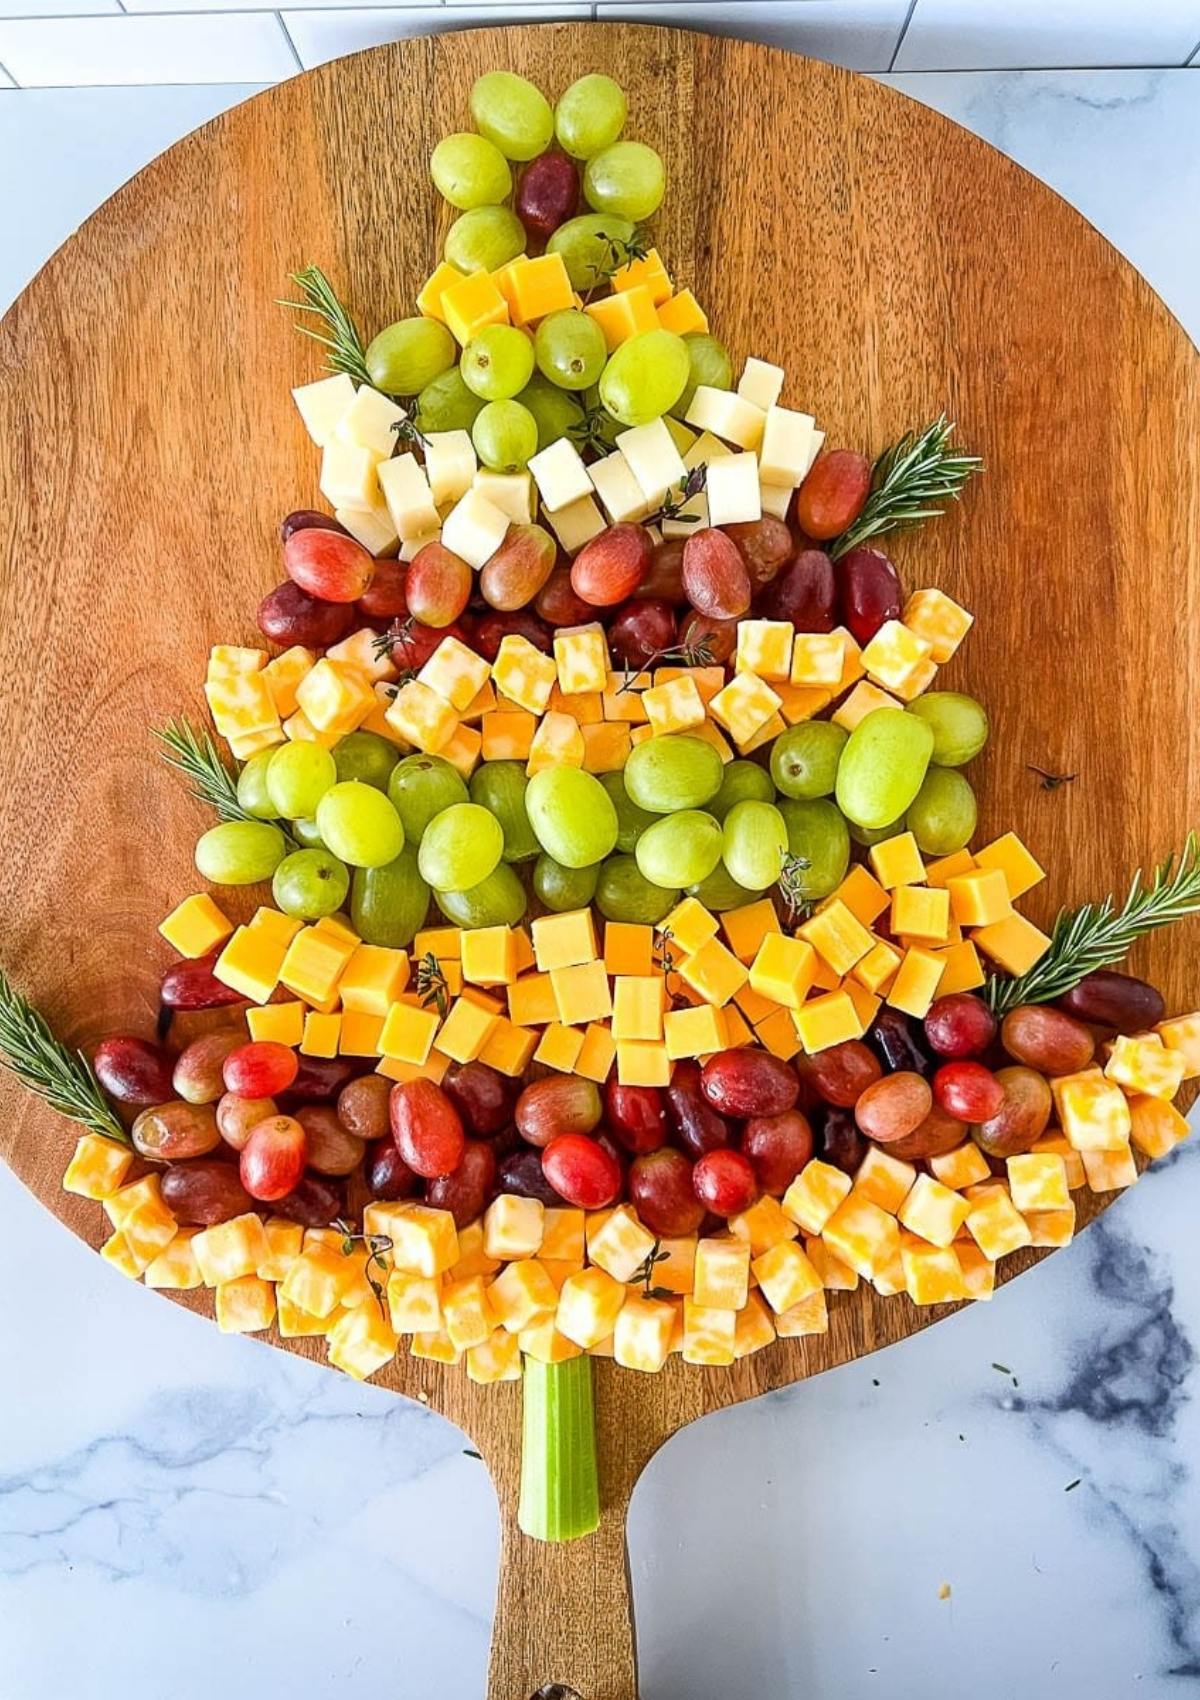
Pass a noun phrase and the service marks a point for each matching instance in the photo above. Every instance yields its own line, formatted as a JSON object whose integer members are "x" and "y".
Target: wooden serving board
{"x": 894, "y": 264}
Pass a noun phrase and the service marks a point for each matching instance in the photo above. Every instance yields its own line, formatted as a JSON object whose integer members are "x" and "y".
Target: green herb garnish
{"x": 63, "y": 1078}
{"x": 344, "y": 351}
{"x": 911, "y": 481}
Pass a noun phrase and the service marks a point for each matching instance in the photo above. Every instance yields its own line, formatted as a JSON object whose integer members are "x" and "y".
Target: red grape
{"x": 841, "y": 1140}
{"x": 714, "y": 575}
{"x": 133, "y": 1070}
{"x": 724, "y": 1182}
{"x": 521, "y": 1172}
{"x": 894, "y": 1106}
{"x": 332, "y": 1149}
{"x": 260, "y": 1069}
{"x": 938, "y": 1133}
{"x": 314, "y": 1201}
{"x": 1023, "y": 1116}
{"x": 869, "y": 592}
{"x": 547, "y": 194}
{"x": 967, "y": 1090}
{"x": 1108, "y": 999}
{"x": 1046, "y": 1039}
{"x": 778, "y": 1148}
{"x": 717, "y": 637}
{"x": 384, "y": 598}
{"x": 832, "y": 496}
{"x": 466, "y": 1191}
{"x": 561, "y": 1103}
{"x": 427, "y": 1128}
{"x": 803, "y": 593}
{"x": 766, "y": 546}
{"x": 749, "y": 1083}
{"x": 641, "y": 628}
{"x": 288, "y": 615}
{"x": 959, "y": 1025}
{"x": 483, "y": 1097}
{"x": 698, "y": 1127}
{"x": 199, "y": 1068}
{"x": 238, "y": 1117}
{"x": 272, "y": 1159}
{"x": 204, "y": 1193}
{"x": 892, "y": 1036}
{"x": 840, "y": 1073}
{"x": 582, "y": 1171}
{"x": 438, "y": 586}
{"x": 328, "y": 565}
{"x": 637, "y": 1116}
{"x": 176, "y": 1130}
{"x": 665, "y": 577}
{"x": 519, "y": 622}
{"x": 308, "y": 519}
{"x": 321, "y": 1079}
{"x": 661, "y": 1191}
{"x": 519, "y": 568}
{"x": 388, "y": 1175}
{"x": 557, "y": 603}
{"x": 612, "y": 565}
{"x": 362, "y": 1106}
{"x": 193, "y": 985}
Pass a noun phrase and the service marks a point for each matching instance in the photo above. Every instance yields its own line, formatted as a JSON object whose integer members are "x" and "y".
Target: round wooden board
{"x": 895, "y": 266}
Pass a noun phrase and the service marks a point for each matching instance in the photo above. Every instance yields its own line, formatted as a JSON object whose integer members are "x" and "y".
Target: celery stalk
{"x": 560, "y": 1497}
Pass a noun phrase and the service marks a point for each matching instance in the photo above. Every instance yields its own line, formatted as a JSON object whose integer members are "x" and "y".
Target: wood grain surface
{"x": 891, "y": 262}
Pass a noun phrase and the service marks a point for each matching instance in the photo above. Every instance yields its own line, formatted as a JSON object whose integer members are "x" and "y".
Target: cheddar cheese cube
{"x": 1142, "y": 1064}
{"x": 946, "y": 868}
{"x": 962, "y": 970}
{"x": 361, "y": 1342}
{"x": 581, "y": 992}
{"x": 1110, "y": 1171}
{"x": 513, "y": 1226}
{"x": 1014, "y": 943}
{"x": 508, "y": 734}
{"x": 694, "y": 1032}
{"x": 621, "y": 1245}
{"x": 897, "y": 861}
{"x": 838, "y": 936}
{"x": 637, "y": 1006}
{"x": 1157, "y": 1127}
{"x": 864, "y": 699}
{"x": 995, "y": 1223}
{"x": 508, "y": 1048}
{"x": 322, "y": 1034}
{"x": 747, "y": 928}
{"x": 98, "y": 1167}
{"x": 1007, "y": 854}
{"x": 629, "y": 947}
{"x": 744, "y": 706}
{"x": 285, "y": 1241}
{"x": 978, "y": 1272}
{"x": 649, "y": 272}
{"x": 245, "y": 1305}
{"x": 642, "y": 1333}
{"x": 885, "y": 1180}
{"x": 282, "y": 1022}
{"x": 489, "y": 956}
{"x": 933, "y": 1211}
{"x": 920, "y": 913}
{"x": 464, "y": 1031}
{"x": 373, "y": 979}
{"x": 980, "y": 897}
{"x": 623, "y": 315}
{"x": 597, "y": 1053}
{"x": 815, "y": 1195}
{"x": 764, "y": 647}
{"x": 938, "y": 620}
{"x": 777, "y": 1034}
{"x": 196, "y": 926}
{"x": 1052, "y": 1227}
{"x": 588, "y": 1307}
{"x": 829, "y": 1019}
{"x": 470, "y": 304}
{"x": 894, "y": 654}
{"x": 860, "y": 1234}
{"x": 916, "y": 983}
{"x": 932, "y": 1274}
{"x": 876, "y": 970}
{"x": 862, "y": 894}
{"x": 314, "y": 963}
{"x": 642, "y": 1062}
{"x": 539, "y": 286}
{"x": 606, "y": 748}
{"x": 713, "y": 972}
{"x": 682, "y": 314}
{"x": 408, "y": 1033}
{"x": 689, "y": 926}
{"x": 965, "y": 1166}
{"x": 783, "y": 969}
{"x": 562, "y": 1235}
{"x": 531, "y": 1000}
{"x": 429, "y": 301}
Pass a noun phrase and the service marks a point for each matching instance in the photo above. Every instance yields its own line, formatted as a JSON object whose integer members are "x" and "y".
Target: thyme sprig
{"x": 645, "y": 1272}
{"x": 344, "y": 350}
{"x": 61, "y": 1077}
{"x": 912, "y": 480}
{"x": 620, "y": 252}
{"x": 591, "y": 433}
{"x": 377, "y": 1247}
{"x": 791, "y": 886}
{"x": 433, "y": 988}
{"x": 678, "y": 499}
{"x": 698, "y": 654}
{"x": 1098, "y": 935}
{"x": 407, "y": 431}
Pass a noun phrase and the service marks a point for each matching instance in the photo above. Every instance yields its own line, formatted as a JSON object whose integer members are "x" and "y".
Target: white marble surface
{"x": 183, "y": 1514}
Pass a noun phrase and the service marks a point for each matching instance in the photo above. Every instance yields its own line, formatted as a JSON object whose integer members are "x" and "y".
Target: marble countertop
{"x": 183, "y": 1514}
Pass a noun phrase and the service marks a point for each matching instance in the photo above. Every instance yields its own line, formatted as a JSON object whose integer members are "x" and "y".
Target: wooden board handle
{"x": 564, "y": 1615}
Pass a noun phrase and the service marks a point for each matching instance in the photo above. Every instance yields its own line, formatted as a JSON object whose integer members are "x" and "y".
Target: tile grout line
{"x": 1191, "y": 57}
{"x": 908, "y": 18}
{"x": 287, "y": 36}
{"x": 5, "y": 72}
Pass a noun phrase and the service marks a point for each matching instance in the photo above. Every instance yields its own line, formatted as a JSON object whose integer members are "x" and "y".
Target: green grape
{"x": 623, "y": 893}
{"x": 554, "y": 411}
{"x": 484, "y": 239}
{"x": 240, "y": 852}
{"x": 817, "y": 834}
{"x": 497, "y": 901}
{"x": 683, "y": 847}
{"x": 252, "y": 793}
{"x": 572, "y": 815}
{"x": 562, "y": 888}
{"x": 310, "y": 883}
{"x": 365, "y": 756}
{"x": 406, "y": 357}
{"x": 298, "y": 777}
{"x": 645, "y": 377}
{"x": 942, "y": 815}
{"x": 586, "y": 244}
{"x": 868, "y": 835}
{"x": 306, "y": 835}
{"x": 631, "y": 821}
{"x": 513, "y": 114}
{"x": 804, "y": 759}
{"x": 742, "y": 782}
{"x": 709, "y": 364}
{"x": 626, "y": 178}
{"x": 959, "y": 725}
{"x": 389, "y": 904}
{"x": 673, "y": 772}
{"x": 720, "y": 891}
{"x": 882, "y": 766}
{"x": 447, "y": 404}
{"x": 590, "y": 115}
{"x": 359, "y": 824}
{"x": 602, "y": 424}
{"x": 421, "y": 787}
{"x": 498, "y": 363}
{"x": 470, "y": 171}
{"x": 460, "y": 847}
{"x": 570, "y": 349}
{"x": 505, "y": 436}
{"x": 755, "y": 841}
{"x": 499, "y": 787}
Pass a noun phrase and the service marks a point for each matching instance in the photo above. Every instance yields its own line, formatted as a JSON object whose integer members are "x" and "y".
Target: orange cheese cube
{"x": 933, "y": 1211}
{"x": 373, "y": 979}
{"x": 682, "y": 314}
{"x": 721, "y": 1273}
{"x": 876, "y": 970}
{"x": 1111, "y": 1170}
{"x": 917, "y": 982}
{"x": 800, "y": 702}
{"x": 965, "y": 1166}
{"x": 810, "y": 1316}
{"x": 814, "y": 1195}
{"x": 745, "y": 706}
{"x": 408, "y": 1033}
{"x": 979, "y": 898}
{"x": 1093, "y": 1111}
{"x": 1182, "y": 1035}
{"x": 648, "y": 271}
{"x": 746, "y": 929}
{"x": 433, "y": 1068}
{"x": 864, "y": 699}
{"x": 996, "y": 1225}
{"x": 1014, "y": 943}
{"x": 537, "y": 287}
{"x": 471, "y": 304}
{"x": 597, "y": 1054}
{"x": 938, "y": 620}
{"x": 946, "y": 868}
{"x": 628, "y": 948}
{"x": 361, "y": 1342}
{"x": 838, "y": 936}
{"x": 559, "y": 1047}
{"x": 783, "y": 969}
{"x": 962, "y": 970}
{"x": 642, "y": 1334}
{"x": 763, "y": 1225}
{"x": 244, "y": 1306}
{"x": 860, "y": 1234}
{"x": 920, "y": 913}
{"x": 98, "y": 1167}
{"x": 580, "y": 991}
{"x": 322, "y": 1034}
{"x": 1052, "y": 1227}
{"x": 585, "y": 707}
{"x": 624, "y": 315}
{"x": 637, "y": 1007}
{"x": 713, "y": 972}
{"x": 507, "y": 734}
{"x": 786, "y": 1276}
{"x": 621, "y": 1245}
{"x": 531, "y": 1000}
{"x": 1142, "y": 1064}
{"x": 827, "y": 1020}
{"x": 513, "y": 1226}
{"x": 175, "y": 1268}
{"x": 588, "y": 1307}
{"x": 885, "y": 1180}
{"x": 621, "y": 698}
{"x": 564, "y": 941}
{"x": 708, "y": 1334}
{"x": 463, "y": 750}
{"x": 606, "y": 747}
{"x": 897, "y": 861}
{"x": 777, "y": 1034}
{"x": 196, "y": 926}
{"x": 978, "y": 1272}
{"x": 562, "y": 1235}
{"x": 642, "y": 1063}
{"x": 429, "y": 301}
{"x": 695, "y": 1032}
{"x": 1157, "y": 1127}
{"x": 932, "y": 1274}
{"x": 862, "y": 895}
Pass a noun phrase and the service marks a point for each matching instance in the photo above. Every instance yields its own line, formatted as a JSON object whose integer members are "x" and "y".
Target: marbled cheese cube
{"x": 939, "y": 620}
{"x": 422, "y": 717}
{"x": 561, "y": 476}
{"x": 361, "y": 1342}
{"x": 322, "y": 404}
{"x": 620, "y": 493}
{"x": 727, "y": 415}
{"x": 708, "y": 1334}
{"x": 1141, "y": 1063}
{"x": 932, "y": 1274}
{"x": 511, "y": 492}
{"x": 1157, "y": 1127}
{"x": 455, "y": 672}
{"x": 676, "y": 706}
{"x": 349, "y": 475}
{"x": 467, "y": 1315}
{"x": 513, "y": 1226}
{"x": 965, "y": 1166}
{"x": 523, "y": 674}
{"x": 245, "y": 1305}
{"x": 98, "y": 1167}
{"x": 581, "y": 657}
{"x": 721, "y": 1273}
{"x": 731, "y": 487}
{"x": 787, "y": 449}
{"x": 652, "y": 457}
{"x": 497, "y": 1359}
{"x": 360, "y": 650}
{"x": 764, "y": 1225}
{"x": 761, "y": 383}
{"x": 335, "y": 696}
{"x": 894, "y": 654}
{"x": 995, "y": 1223}
{"x": 175, "y": 1268}
{"x": 1093, "y": 1111}
{"x": 817, "y": 658}
{"x": 474, "y": 529}
{"x": 284, "y": 674}
{"x": 864, "y": 699}
{"x": 642, "y": 1335}
{"x": 810, "y": 1316}
{"x": 424, "y": 1240}
{"x": 764, "y": 647}
{"x": 523, "y": 1295}
{"x": 621, "y": 1245}
{"x": 745, "y": 705}
{"x": 369, "y": 423}
{"x": 836, "y": 1276}
{"x": 885, "y": 1180}
{"x": 241, "y": 704}
{"x": 230, "y": 1249}
{"x": 450, "y": 465}
{"x": 1037, "y": 1180}
{"x": 1182, "y": 1035}
{"x": 785, "y": 1275}
{"x": 861, "y": 1235}
{"x": 588, "y": 1307}
{"x": 815, "y": 1194}
{"x": 1109, "y": 1171}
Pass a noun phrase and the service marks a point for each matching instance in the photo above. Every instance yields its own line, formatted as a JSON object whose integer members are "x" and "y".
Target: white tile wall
{"x": 322, "y": 35}
{"x": 46, "y": 53}
{"x": 861, "y": 34}
{"x": 948, "y": 35}
{"x": 54, "y": 8}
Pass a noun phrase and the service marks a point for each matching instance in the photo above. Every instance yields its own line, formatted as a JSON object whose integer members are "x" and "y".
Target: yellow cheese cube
{"x": 1142, "y": 1064}
{"x": 1157, "y": 1127}
{"x": 921, "y": 913}
{"x": 827, "y": 1020}
{"x": 539, "y": 286}
{"x": 837, "y": 935}
{"x": 932, "y": 1274}
{"x": 673, "y": 707}
{"x": 314, "y": 964}
{"x": 117, "y": 1251}
{"x": 713, "y": 972}
{"x": 196, "y": 926}
{"x": 513, "y": 1226}
{"x": 762, "y": 1226}
{"x": 962, "y": 970}
{"x": 629, "y": 947}
{"x": 597, "y": 1053}
{"x": 464, "y": 1031}
{"x": 897, "y": 861}
{"x": 860, "y": 1234}
{"x": 250, "y": 963}
{"x": 1182, "y": 1034}
{"x": 938, "y": 620}
{"x": 786, "y": 1276}
{"x": 708, "y": 1334}
{"x": 558, "y": 742}
{"x": 498, "y": 1359}
{"x": 1014, "y": 943}
{"x": 682, "y": 314}
{"x": 694, "y": 1032}
{"x": 559, "y": 1047}
{"x": 648, "y": 272}
{"x": 471, "y": 304}
{"x": 467, "y": 1315}
{"x": 531, "y": 1000}
{"x": 98, "y": 1167}
{"x": 784, "y": 969}
{"x": 429, "y": 301}
{"x": 818, "y": 658}
{"x": 507, "y": 734}
{"x": 1037, "y": 1180}
{"x": 748, "y": 927}
{"x": 564, "y": 941}
{"x": 876, "y": 970}
{"x": 642, "y": 1334}
{"x": 621, "y": 1245}
{"x": 175, "y": 1268}
{"x": 894, "y": 654}
{"x": 299, "y": 727}
{"x": 642, "y": 1062}
{"x": 810, "y": 1316}
{"x": 814, "y": 1195}
{"x": 1109, "y": 1171}
{"x": 361, "y": 1342}
{"x": 979, "y": 898}
{"x": 917, "y": 981}
{"x": 689, "y": 926}
{"x": 522, "y": 674}
{"x": 522, "y": 1295}
{"x": 581, "y": 992}
{"x": 588, "y": 1307}
{"x": 946, "y": 868}
{"x": 885, "y": 1180}
{"x": 281, "y": 1022}
{"x": 995, "y": 1224}
{"x": 317, "y": 1280}
{"x": 637, "y": 1007}
{"x": 1021, "y": 871}
{"x": 296, "y": 1323}
{"x": 438, "y": 1348}
{"x": 721, "y": 1273}
{"x": 489, "y": 956}
{"x": 322, "y": 1034}
{"x": 408, "y": 1033}
{"x": 933, "y": 1211}
{"x": 965, "y": 1166}
{"x": 744, "y": 706}
{"x": 864, "y": 699}
{"x": 373, "y": 979}
{"x": 245, "y": 1305}
{"x": 624, "y": 315}
{"x": 764, "y": 647}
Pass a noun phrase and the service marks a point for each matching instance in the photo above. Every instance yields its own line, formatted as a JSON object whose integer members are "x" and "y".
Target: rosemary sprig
{"x": 1097, "y": 935}
{"x": 63, "y": 1078}
{"x": 911, "y": 481}
{"x": 376, "y": 1246}
{"x": 190, "y": 750}
{"x": 679, "y": 498}
{"x": 698, "y": 654}
{"x": 340, "y": 336}
{"x": 791, "y": 886}
{"x": 432, "y": 986}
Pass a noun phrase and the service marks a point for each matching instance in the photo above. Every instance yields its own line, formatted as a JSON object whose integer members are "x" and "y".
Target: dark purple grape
{"x": 892, "y": 1036}
{"x": 840, "y": 1140}
{"x": 521, "y": 1172}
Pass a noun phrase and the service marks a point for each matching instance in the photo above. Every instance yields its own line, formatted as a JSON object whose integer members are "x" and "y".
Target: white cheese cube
{"x": 732, "y": 489}
{"x": 474, "y": 529}
{"x": 368, "y": 421}
{"x": 776, "y": 499}
{"x": 680, "y": 435}
{"x": 577, "y": 524}
{"x": 322, "y": 404}
{"x": 407, "y": 494}
{"x": 561, "y": 476}
{"x": 373, "y": 527}
{"x": 761, "y": 383}
{"x": 704, "y": 449}
{"x": 727, "y": 415}
{"x": 815, "y": 447}
{"x": 450, "y": 465}
{"x": 511, "y": 492}
{"x": 692, "y": 516}
{"x": 411, "y": 547}
{"x": 348, "y": 475}
{"x": 653, "y": 459}
{"x": 786, "y": 446}
{"x": 618, "y": 490}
